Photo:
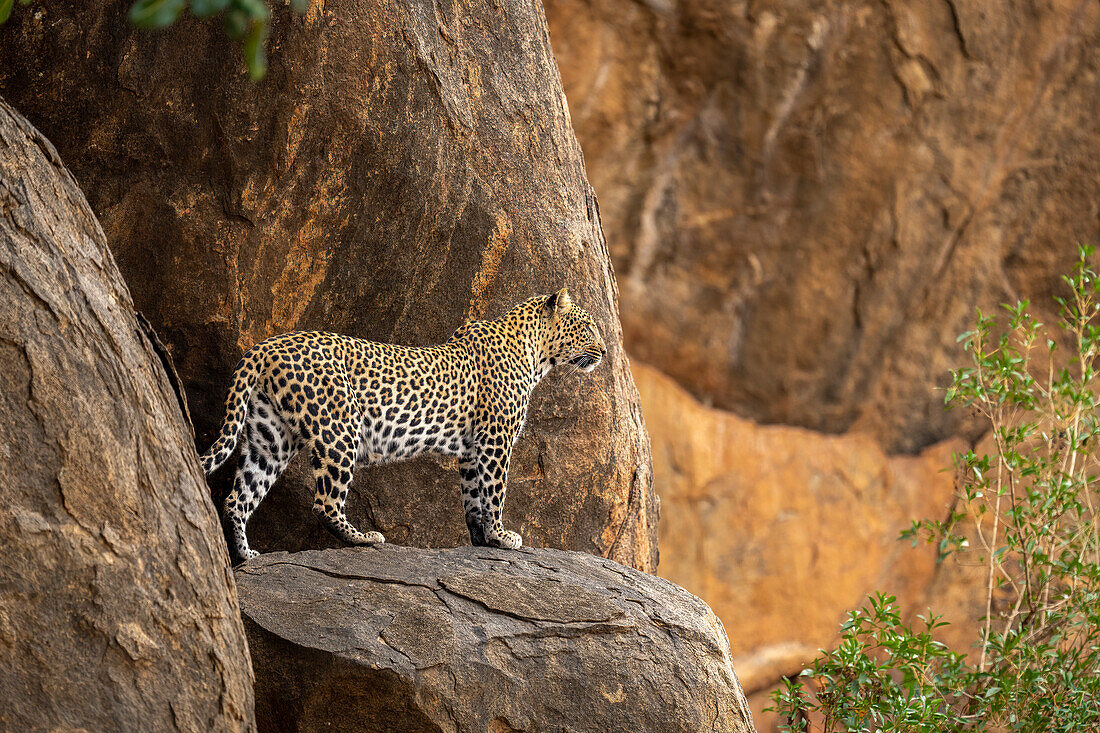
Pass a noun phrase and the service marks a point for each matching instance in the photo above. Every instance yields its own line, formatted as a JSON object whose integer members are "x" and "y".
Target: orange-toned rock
{"x": 782, "y": 530}
{"x": 821, "y": 192}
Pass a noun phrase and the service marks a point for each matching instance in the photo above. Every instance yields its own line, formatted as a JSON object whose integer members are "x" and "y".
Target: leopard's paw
{"x": 510, "y": 540}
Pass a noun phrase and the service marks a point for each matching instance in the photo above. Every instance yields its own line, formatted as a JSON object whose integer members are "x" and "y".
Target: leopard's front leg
{"x": 471, "y": 498}
{"x": 484, "y": 484}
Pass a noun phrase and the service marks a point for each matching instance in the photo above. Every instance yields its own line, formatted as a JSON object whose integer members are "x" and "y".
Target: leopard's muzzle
{"x": 588, "y": 359}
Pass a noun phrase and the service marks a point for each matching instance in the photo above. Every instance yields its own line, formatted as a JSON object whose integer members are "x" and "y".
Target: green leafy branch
{"x": 1027, "y": 512}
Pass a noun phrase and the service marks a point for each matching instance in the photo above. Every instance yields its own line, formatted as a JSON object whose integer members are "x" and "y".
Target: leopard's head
{"x": 570, "y": 335}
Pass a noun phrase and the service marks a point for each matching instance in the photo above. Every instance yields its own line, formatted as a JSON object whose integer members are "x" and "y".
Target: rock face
{"x": 473, "y": 639}
{"x": 117, "y": 606}
{"x": 404, "y": 167}
{"x": 783, "y": 530}
{"x": 805, "y": 201}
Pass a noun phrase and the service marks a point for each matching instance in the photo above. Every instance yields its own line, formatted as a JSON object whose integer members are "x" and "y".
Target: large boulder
{"x": 117, "y": 606}
{"x": 401, "y": 640}
{"x": 821, "y": 192}
{"x": 405, "y": 166}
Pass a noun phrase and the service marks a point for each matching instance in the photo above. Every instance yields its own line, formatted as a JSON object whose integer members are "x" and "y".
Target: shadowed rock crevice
{"x": 471, "y": 639}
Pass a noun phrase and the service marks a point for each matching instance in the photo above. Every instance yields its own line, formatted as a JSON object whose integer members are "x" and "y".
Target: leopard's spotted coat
{"x": 354, "y": 401}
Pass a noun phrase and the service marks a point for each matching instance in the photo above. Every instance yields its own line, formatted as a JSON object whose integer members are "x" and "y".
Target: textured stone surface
{"x": 806, "y": 200}
{"x": 404, "y": 166}
{"x": 117, "y": 606}
{"x": 783, "y": 530}
{"x": 400, "y": 639}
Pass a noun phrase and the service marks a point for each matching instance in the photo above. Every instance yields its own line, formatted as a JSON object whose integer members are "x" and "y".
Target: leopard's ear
{"x": 558, "y": 303}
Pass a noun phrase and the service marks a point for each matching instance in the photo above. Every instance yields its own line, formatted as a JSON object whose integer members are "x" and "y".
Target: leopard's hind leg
{"x": 265, "y": 452}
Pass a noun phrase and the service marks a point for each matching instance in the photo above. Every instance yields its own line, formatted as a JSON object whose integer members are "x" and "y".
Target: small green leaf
{"x": 206, "y": 8}
{"x": 255, "y": 9}
{"x": 5, "y": 9}
{"x": 236, "y": 24}
{"x": 255, "y": 57}
{"x": 155, "y": 13}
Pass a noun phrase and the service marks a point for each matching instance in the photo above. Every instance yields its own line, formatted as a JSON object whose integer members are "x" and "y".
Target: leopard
{"x": 352, "y": 402}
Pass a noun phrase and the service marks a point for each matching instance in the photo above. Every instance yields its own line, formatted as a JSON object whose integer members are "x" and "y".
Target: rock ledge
{"x": 473, "y": 639}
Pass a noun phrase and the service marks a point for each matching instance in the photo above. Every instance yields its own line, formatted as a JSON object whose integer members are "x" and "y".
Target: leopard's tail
{"x": 245, "y": 378}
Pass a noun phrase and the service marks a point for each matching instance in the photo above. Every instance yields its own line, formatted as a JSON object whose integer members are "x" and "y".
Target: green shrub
{"x": 1030, "y": 508}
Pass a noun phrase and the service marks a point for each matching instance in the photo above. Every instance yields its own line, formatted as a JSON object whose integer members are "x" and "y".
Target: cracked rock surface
{"x": 401, "y": 639}
{"x": 117, "y": 606}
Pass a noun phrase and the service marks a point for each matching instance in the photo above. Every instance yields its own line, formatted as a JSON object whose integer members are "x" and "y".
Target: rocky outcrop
{"x": 403, "y": 167}
{"x": 805, "y": 201}
{"x": 784, "y": 530}
{"x": 117, "y": 606}
{"x": 399, "y": 640}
